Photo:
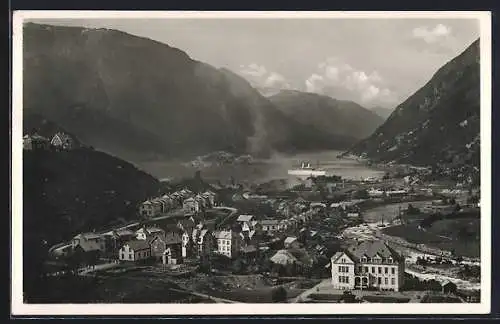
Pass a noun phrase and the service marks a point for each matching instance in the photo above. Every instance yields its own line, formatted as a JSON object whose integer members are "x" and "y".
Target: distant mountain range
{"x": 439, "y": 124}
{"x": 329, "y": 115}
{"x": 140, "y": 99}
{"x": 382, "y": 111}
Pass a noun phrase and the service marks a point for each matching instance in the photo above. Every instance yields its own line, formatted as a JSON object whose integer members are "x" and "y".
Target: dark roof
{"x": 187, "y": 223}
{"x": 172, "y": 238}
{"x": 371, "y": 249}
{"x": 137, "y": 245}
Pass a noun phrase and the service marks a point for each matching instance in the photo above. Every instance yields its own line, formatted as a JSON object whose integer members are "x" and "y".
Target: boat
{"x": 306, "y": 170}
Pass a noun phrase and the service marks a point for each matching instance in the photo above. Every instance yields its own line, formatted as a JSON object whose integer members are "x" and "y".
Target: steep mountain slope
{"x": 138, "y": 98}
{"x": 78, "y": 190}
{"x": 382, "y": 112}
{"x": 335, "y": 117}
{"x": 68, "y": 192}
{"x": 439, "y": 124}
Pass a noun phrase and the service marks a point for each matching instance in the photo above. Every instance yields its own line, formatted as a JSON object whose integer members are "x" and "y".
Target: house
{"x": 448, "y": 287}
{"x": 35, "y": 142}
{"x": 298, "y": 257}
{"x": 186, "y": 225}
{"x": 270, "y": 225}
{"x": 145, "y": 233}
{"x": 291, "y": 242}
{"x": 167, "y": 247}
{"x": 89, "y": 242}
{"x": 211, "y": 196}
{"x": 62, "y": 141}
{"x": 191, "y": 205}
{"x": 135, "y": 250}
{"x": 368, "y": 264}
{"x": 228, "y": 243}
{"x": 150, "y": 208}
{"x": 116, "y": 238}
{"x": 245, "y": 219}
{"x": 199, "y": 243}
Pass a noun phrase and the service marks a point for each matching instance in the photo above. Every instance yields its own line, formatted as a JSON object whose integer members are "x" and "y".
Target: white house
{"x": 291, "y": 242}
{"x": 89, "y": 242}
{"x": 62, "y": 140}
{"x": 145, "y": 233}
{"x": 134, "y": 251}
{"x": 228, "y": 243}
{"x": 369, "y": 264}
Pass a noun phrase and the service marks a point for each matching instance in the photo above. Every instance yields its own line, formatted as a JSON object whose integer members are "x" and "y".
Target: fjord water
{"x": 275, "y": 167}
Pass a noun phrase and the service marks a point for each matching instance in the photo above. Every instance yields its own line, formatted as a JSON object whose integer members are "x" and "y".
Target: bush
{"x": 279, "y": 294}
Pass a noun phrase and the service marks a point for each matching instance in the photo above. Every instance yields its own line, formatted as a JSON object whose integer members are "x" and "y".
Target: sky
{"x": 374, "y": 62}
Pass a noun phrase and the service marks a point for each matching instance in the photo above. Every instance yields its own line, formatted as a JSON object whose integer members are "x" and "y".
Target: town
{"x": 327, "y": 239}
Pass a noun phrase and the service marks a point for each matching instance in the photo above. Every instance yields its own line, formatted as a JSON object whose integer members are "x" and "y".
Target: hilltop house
{"x": 35, "y": 142}
{"x": 228, "y": 243}
{"x": 135, "y": 250}
{"x": 369, "y": 264}
{"x": 62, "y": 141}
{"x": 89, "y": 242}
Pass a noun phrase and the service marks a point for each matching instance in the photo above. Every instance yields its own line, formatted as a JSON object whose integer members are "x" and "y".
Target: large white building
{"x": 228, "y": 243}
{"x": 369, "y": 264}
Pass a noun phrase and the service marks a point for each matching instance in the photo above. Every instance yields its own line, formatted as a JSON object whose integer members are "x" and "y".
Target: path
{"x": 98, "y": 267}
{"x": 304, "y": 295}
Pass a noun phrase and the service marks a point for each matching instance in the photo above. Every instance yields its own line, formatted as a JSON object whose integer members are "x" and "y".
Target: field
{"x": 443, "y": 234}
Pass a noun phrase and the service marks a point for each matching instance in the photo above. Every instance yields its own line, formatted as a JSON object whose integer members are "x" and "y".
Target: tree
{"x": 348, "y": 297}
{"x": 361, "y": 194}
{"x": 278, "y": 294}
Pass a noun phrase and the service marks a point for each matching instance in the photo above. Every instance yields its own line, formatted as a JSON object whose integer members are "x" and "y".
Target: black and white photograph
{"x": 161, "y": 159}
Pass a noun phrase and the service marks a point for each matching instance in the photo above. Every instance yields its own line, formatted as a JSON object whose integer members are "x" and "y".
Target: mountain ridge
{"x": 447, "y": 108}
{"x": 141, "y": 99}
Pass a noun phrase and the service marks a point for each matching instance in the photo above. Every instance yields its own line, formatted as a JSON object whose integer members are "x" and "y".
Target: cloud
{"x": 253, "y": 69}
{"x": 261, "y": 78}
{"x": 432, "y": 35}
{"x": 342, "y": 81}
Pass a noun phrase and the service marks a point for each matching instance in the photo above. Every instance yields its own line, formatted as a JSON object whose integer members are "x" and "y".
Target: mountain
{"x": 139, "y": 99}
{"x": 335, "y": 117}
{"x": 439, "y": 124}
{"x": 66, "y": 192}
{"x": 382, "y": 112}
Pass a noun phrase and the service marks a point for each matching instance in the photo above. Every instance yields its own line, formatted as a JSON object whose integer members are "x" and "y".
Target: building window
{"x": 343, "y": 260}
{"x": 363, "y": 259}
{"x": 340, "y": 268}
{"x": 373, "y": 269}
{"x": 393, "y": 281}
{"x": 386, "y": 281}
{"x": 130, "y": 256}
{"x": 340, "y": 279}
{"x": 123, "y": 255}
{"x": 386, "y": 270}
{"x": 379, "y": 269}
{"x": 393, "y": 270}
{"x": 346, "y": 279}
{"x": 390, "y": 260}
{"x": 379, "y": 280}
